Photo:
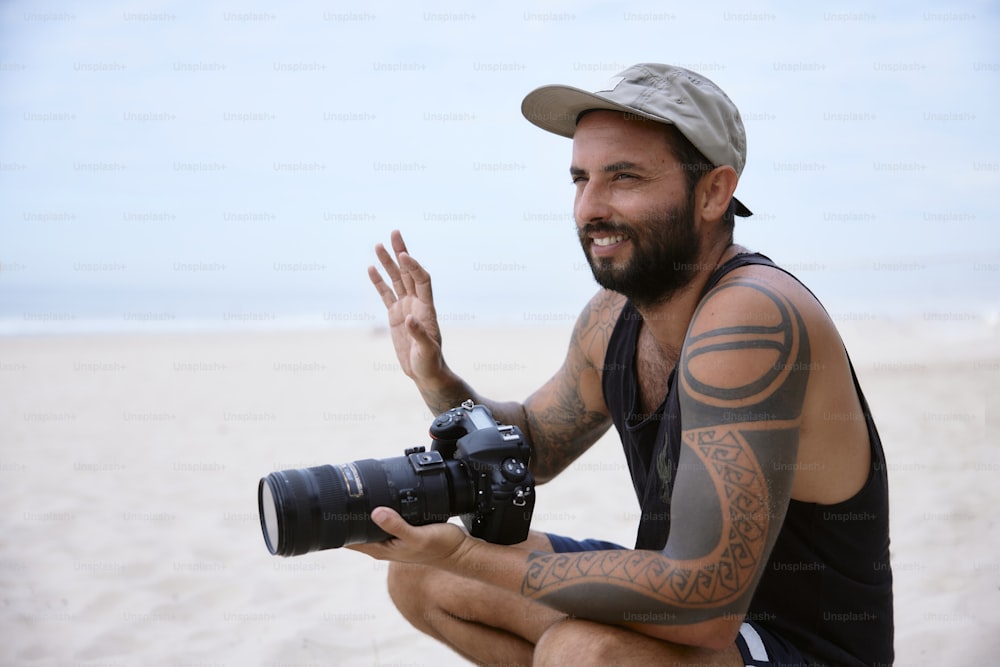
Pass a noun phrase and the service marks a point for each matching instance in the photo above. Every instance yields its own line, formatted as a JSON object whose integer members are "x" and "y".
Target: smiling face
{"x": 633, "y": 211}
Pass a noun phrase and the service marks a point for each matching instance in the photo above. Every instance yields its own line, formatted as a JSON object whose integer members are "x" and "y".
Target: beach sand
{"x": 129, "y": 467}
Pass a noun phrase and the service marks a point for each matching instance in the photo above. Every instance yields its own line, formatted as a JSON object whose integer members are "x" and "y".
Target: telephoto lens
{"x": 329, "y": 506}
{"x": 476, "y": 468}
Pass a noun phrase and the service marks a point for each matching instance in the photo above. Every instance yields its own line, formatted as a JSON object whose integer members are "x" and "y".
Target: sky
{"x": 228, "y": 164}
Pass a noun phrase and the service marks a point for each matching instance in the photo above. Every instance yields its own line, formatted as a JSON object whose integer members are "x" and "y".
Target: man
{"x": 761, "y": 479}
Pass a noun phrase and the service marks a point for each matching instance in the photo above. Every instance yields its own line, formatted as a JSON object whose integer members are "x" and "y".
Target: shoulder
{"x": 763, "y": 356}
{"x": 761, "y": 299}
{"x": 750, "y": 344}
{"x": 596, "y": 323}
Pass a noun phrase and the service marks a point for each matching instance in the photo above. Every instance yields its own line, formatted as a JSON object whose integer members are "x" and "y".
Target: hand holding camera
{"x": 476, "y": 468}
{"x": 431, "y": 544}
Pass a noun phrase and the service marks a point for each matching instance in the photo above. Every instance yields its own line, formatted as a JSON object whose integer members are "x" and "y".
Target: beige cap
{"x": 664, "y": 93}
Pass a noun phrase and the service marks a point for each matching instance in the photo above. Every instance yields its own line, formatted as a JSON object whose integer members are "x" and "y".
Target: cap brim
{"x": 540, "y": 108}
{"x": 556, "y": 108}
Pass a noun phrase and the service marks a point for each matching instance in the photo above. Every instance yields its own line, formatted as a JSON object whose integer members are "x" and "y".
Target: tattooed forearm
{"x": 742, "y": 381}
{"x": 567, "y": 415}
{"x": 561, "y": 425}
{"x": 714, "y": 579}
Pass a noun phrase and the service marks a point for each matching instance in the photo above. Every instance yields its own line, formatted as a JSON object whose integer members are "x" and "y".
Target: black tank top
{"x": 827, "y": 587}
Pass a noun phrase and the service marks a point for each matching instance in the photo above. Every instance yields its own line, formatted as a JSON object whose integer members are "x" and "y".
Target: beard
{"x": 664, "y": 256}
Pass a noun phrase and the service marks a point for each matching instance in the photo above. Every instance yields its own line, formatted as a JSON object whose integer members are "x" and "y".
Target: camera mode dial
{"x": 513, "y": 470}
{"x": 448, "y": 426}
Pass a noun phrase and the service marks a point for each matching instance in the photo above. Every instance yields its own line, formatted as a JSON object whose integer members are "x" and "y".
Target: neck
{"x": 667, "y": 321}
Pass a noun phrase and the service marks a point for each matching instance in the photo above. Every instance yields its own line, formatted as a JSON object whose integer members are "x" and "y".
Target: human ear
{"x": 714, "y": 192}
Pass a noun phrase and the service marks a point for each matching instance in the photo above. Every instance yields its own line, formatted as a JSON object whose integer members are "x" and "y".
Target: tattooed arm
{"x": 743, "y": 374}
{"x": 561, "y": 420}
{"x": 567, "y": 414}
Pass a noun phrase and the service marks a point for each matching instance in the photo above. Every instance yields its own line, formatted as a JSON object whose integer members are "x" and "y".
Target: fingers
{"x": 391, "y": 269}
{"x": 406, "y": 274}
{"x": 390, "y": 521}
{"x": 398, "y": 244}
{"x": 399, "y": 248}
{"x": 384, "y": 291}
{"x": 420, "y": 280}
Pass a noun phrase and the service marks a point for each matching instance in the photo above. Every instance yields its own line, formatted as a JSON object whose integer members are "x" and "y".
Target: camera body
{"x": 476, "y": 469}
{"x": 496, "y": 459}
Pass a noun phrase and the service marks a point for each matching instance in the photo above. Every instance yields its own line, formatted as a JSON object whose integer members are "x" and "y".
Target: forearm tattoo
{"x": 562, "y": 422}
{"x": 562, "y": 425}
{"x": 742, "y": 440}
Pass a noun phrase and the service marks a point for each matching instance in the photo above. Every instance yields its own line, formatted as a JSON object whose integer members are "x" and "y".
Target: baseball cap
{"x": 664, "y": 93}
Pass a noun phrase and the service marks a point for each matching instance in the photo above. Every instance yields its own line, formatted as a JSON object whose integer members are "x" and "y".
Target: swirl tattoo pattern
{"x": 737, "y": 426}
{"x": 712, "y": 580}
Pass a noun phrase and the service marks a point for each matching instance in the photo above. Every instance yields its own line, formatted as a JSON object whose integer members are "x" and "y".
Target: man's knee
{"x": 439, "y": 603}
{"x": 409, "y": 590}
{"x": 575, "y": 642}
{"x": 428, "y": 598}
{"x": 579, "y": 643}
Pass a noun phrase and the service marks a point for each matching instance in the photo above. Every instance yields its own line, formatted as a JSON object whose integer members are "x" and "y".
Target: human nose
{"x": 592, "y": 204}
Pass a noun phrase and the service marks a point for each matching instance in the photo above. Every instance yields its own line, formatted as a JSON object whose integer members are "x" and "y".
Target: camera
{"x": 476, "y": 468}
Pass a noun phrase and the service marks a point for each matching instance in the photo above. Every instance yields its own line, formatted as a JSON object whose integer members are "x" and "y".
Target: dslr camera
{"x": 476, "y": 468}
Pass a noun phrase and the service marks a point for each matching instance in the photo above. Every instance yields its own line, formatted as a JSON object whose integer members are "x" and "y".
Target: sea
{"x": 963, "y": 296}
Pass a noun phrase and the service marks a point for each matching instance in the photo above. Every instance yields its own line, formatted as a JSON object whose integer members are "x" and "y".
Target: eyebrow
{"x": 621, "y": 165}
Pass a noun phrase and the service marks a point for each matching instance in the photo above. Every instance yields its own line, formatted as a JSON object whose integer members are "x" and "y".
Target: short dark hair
{"x": 694, "y": 165}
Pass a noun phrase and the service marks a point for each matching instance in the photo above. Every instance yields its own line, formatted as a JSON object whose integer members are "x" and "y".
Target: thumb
{"x": 415, "y": 328}
{"x": 421, "y": 336}
{"x": 390, "y": 521}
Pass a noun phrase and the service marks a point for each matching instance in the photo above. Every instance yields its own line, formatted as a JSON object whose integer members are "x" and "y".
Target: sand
{"x": 129, "y": 465}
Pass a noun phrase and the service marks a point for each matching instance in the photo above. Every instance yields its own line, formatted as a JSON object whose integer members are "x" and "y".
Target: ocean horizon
{"x": 959, "y": 294}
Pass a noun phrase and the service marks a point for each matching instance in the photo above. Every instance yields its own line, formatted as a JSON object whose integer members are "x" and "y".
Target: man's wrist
{"x": 468, "y": 560}
{"x": 461, "y": 559}
{"x": 493, "y": 564}
{"x": 443, "y": 392}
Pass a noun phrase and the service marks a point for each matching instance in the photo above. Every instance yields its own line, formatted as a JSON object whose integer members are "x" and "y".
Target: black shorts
{"x": 762, "y": 648}
{"x": 759, "y": 646}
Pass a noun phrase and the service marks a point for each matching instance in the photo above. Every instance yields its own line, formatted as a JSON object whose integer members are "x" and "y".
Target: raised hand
{"x": 413, "y": 323}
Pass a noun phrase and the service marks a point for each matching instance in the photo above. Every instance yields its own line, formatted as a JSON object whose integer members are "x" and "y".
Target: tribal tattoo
{"x": 739, "y": 442}
{"x": 563, "y": 416}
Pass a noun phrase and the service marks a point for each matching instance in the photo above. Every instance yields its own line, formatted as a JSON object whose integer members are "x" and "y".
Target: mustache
{"x": 605, "y": 227}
